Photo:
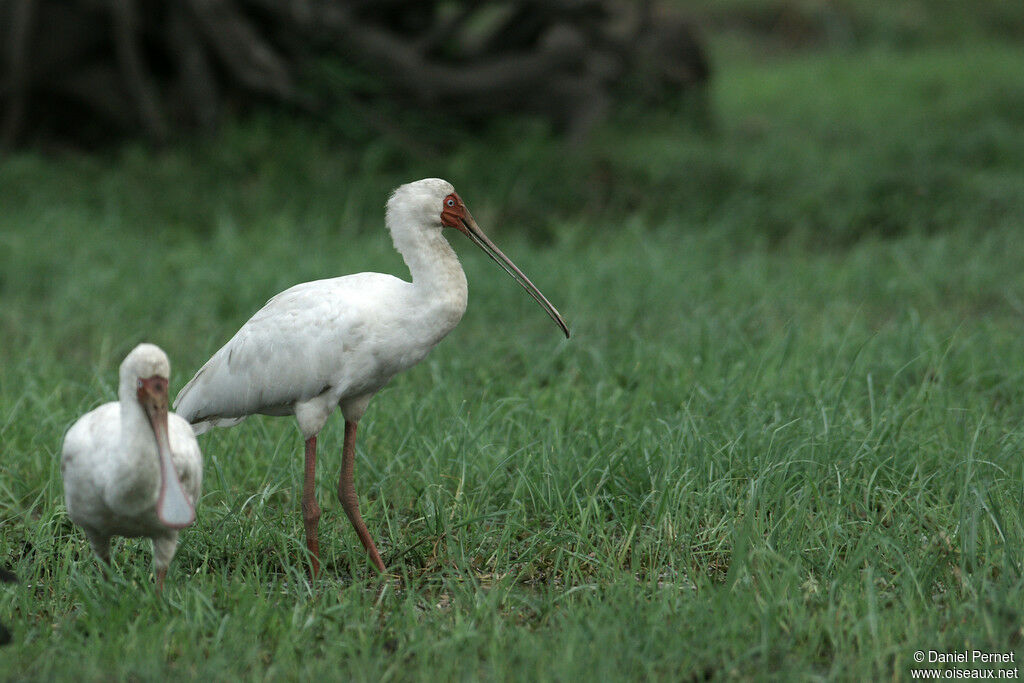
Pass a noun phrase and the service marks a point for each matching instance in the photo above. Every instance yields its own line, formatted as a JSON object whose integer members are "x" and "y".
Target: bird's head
{"x": 419, "y": 204}
{"x": 434, "y": 204}
{"x": 145, "y": 372}
{"x": 145, "y": 360}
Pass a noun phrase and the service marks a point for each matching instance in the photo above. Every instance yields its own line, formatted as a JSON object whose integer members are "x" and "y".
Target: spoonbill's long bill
{"x": 337, "y": 342}
{"x": 131, "y": 468}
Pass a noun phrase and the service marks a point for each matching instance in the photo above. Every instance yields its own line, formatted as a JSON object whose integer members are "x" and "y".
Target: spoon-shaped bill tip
{"x": 172, "y": 508}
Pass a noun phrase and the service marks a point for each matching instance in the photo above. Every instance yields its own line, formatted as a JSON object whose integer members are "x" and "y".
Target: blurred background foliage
{"x": 88, "y": 71}
{"x": 906, "y": 24}
{"x": 817, "y": 121}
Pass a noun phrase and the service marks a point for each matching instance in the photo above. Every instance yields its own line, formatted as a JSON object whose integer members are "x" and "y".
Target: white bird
{"x": 337, "y": 342}
{"x": 132, "y": 469}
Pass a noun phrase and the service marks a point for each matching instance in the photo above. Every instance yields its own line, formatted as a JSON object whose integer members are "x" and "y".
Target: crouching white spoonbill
{"x": 337, "y": 342}
{"x": 131, "y": 468}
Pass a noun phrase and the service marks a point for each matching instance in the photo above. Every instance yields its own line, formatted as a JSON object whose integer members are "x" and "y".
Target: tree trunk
{"x": 87, "y": 71}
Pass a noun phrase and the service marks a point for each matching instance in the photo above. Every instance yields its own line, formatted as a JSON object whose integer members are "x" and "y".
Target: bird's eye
{"x": 139, "y": 385}
{"x": 450, "y": 202}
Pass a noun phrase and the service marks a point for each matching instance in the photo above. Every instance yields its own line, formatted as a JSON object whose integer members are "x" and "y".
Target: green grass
{"x": 782, "y": 25}
{"x": 784, "y": 441}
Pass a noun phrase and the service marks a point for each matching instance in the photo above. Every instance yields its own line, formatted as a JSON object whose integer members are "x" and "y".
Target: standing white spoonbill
{"x": 337, "y": 342}
{"x": 132, "y": 469}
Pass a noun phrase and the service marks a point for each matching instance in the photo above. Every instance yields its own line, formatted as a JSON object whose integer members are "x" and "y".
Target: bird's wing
{"x": 292, "y": 349}
{"x": 85, "y": 462}
{"x": 92, "y": 433}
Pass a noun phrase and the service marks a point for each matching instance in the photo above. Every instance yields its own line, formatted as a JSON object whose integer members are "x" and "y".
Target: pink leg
{"x": 161, "y": 574}
{"x": 347, "y": 495}
{"x": 310, "y": 510}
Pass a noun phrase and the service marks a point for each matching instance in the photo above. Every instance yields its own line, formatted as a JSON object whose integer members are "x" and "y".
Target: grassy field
{"x": 784, "y": 440}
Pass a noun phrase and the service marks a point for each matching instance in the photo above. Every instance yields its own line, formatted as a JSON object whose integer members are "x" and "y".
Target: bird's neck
{"x": 137, "y": 484}
{"x": 437, "y": 275}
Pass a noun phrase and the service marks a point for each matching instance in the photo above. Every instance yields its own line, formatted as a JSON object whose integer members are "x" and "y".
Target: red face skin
{"x": 152, "y": 394}
{"x": 453, "y": 212}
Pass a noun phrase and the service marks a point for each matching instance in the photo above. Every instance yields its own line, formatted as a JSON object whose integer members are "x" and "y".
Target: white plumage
{"x": 316, "y": 345}
{"x": 130, "y": 468}
{"x": 337, "y": 342}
